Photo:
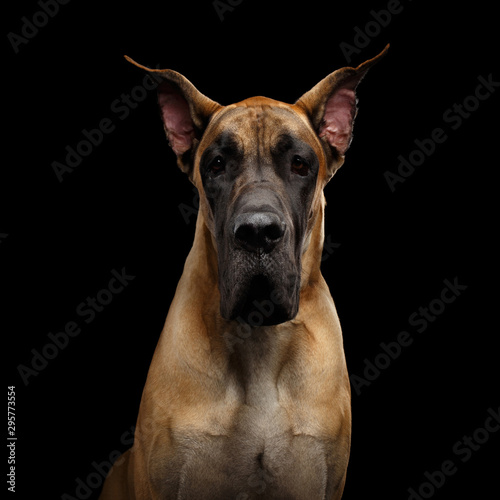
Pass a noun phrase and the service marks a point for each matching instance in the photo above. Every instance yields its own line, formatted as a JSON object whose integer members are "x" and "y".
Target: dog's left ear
{"x": 331, "y": 106}
{"x": 185, "y": 112}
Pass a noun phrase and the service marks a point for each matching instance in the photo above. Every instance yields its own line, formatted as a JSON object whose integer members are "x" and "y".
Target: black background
{"x": 120, "y": 208}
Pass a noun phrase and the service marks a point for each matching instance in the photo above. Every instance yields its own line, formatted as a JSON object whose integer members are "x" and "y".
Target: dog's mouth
{"x": 259, "y": 297}
{"x": 261, "y": 304}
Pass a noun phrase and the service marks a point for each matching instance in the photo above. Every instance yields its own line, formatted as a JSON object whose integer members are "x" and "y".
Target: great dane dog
{"x": 248, "y": 394}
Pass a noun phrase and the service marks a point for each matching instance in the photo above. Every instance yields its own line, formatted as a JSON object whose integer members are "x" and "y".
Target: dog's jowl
{"x": 248, "y": 395}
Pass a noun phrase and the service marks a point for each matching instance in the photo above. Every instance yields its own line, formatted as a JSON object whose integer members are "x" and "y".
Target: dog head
{"x": 260, "y": 167}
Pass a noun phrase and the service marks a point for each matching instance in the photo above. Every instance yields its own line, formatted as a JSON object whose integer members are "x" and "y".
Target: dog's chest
{"x": 260, "y": 457}
{"x": 251, "y": 445}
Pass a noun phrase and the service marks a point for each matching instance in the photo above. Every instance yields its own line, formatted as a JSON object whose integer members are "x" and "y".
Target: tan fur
{"x": 294, "y": 392}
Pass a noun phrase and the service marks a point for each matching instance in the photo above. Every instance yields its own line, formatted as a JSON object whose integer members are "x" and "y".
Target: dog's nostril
{"x": 245, "y": 232}
{"x": 259, "y": 230}
{"x": 274, "y": 231}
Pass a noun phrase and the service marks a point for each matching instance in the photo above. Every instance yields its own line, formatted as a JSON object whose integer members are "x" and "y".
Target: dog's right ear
{"x": 185, "y": 113}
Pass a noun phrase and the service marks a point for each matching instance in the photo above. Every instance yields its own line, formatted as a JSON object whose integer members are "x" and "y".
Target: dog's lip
{"x": 262, "y": 295}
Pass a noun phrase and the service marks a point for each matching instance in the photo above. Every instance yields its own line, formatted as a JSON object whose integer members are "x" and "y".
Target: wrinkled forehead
{"x": 257, "y": 125}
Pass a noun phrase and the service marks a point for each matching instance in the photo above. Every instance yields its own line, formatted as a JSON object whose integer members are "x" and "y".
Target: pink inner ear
{"x": 336, "y": 126}
{"x": 176, "y": 118}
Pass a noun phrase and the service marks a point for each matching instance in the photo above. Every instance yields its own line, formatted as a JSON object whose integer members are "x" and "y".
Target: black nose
{"x": 259, "y": 230}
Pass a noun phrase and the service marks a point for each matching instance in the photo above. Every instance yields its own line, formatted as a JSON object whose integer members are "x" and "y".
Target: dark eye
{"x": 299, "y": 166}
{"x": 217, "y": 165}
